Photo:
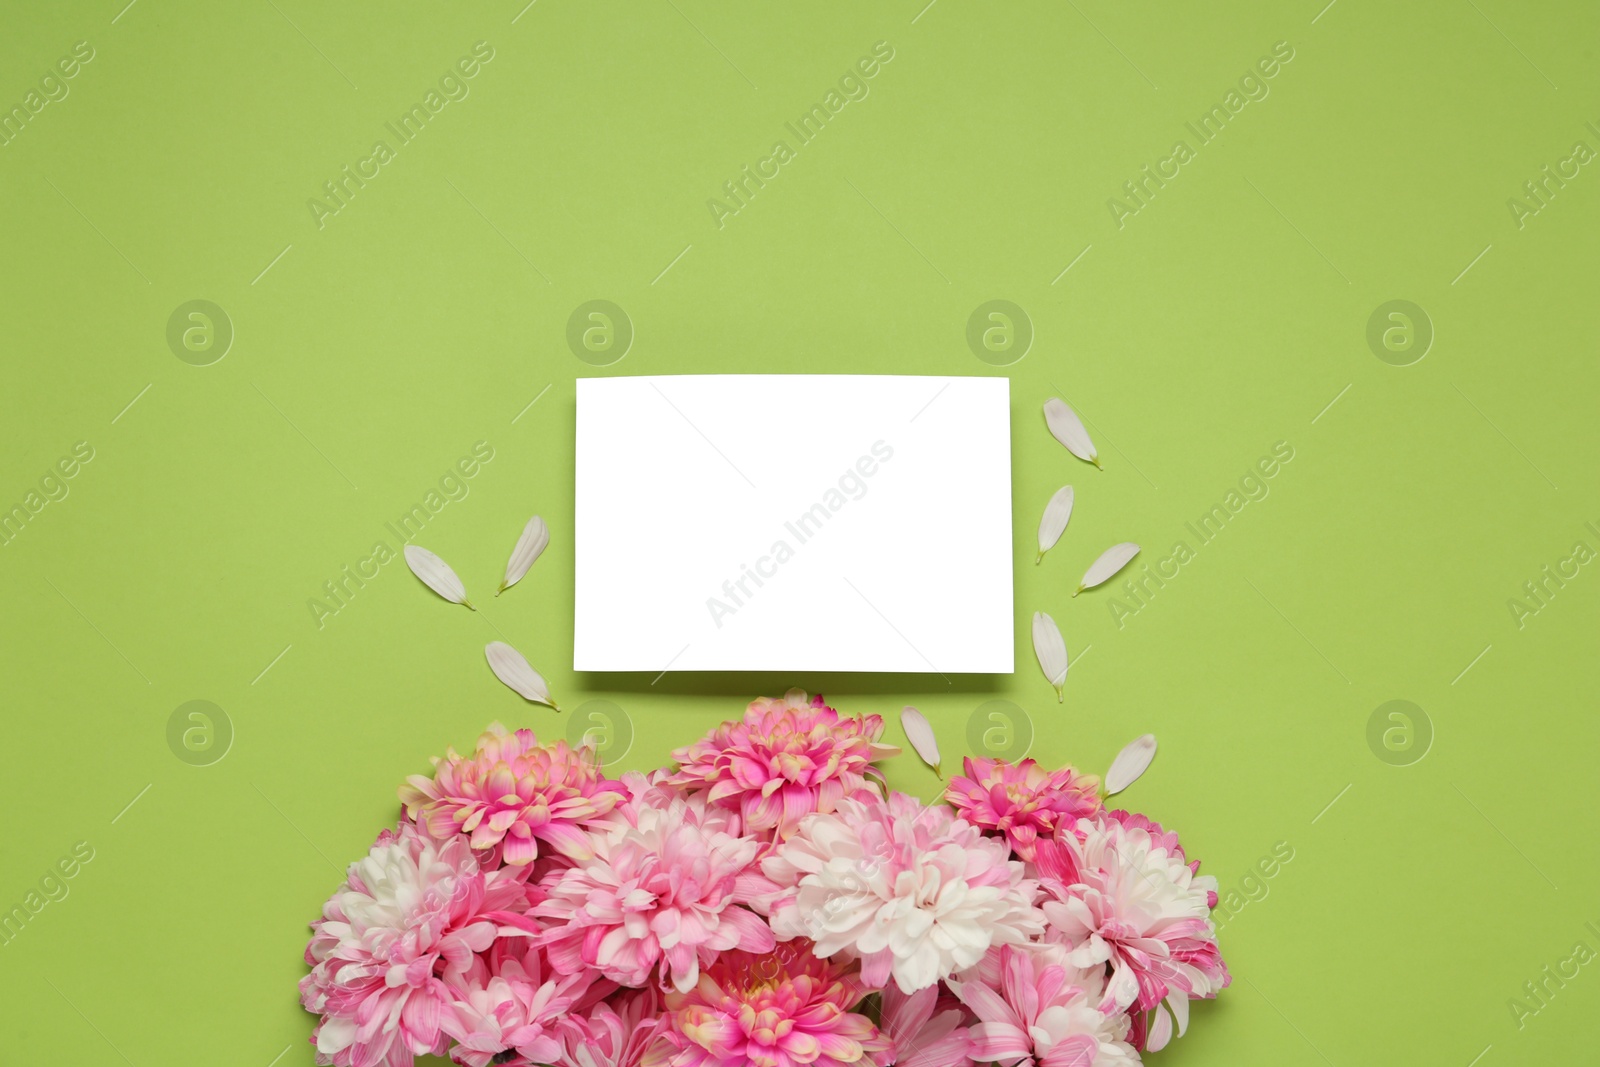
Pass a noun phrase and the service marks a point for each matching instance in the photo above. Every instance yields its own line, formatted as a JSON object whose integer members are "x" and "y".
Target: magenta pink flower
{"x": 614, "y": 1034}
{"x": 786, "y": 1008}
{"x": 785, "y": 760}
{"x": 512, "y": 793}
{"x": 1120, "y": 890}
{"x": 928, "y": 1028}
{"x": 408, "y": 918}
{"x": 912, "y": 890}
{"x": 1023, "y": 801}
{"x": 1043, "y": 1011}
{"x": 664, "y": 885}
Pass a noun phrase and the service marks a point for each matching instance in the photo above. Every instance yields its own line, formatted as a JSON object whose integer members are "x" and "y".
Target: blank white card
{"x": 793, "y": 522}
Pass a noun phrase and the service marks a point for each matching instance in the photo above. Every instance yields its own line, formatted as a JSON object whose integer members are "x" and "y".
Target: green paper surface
{"x": 1238, "y": 311}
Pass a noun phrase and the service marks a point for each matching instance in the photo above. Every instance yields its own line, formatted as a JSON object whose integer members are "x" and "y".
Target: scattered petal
{"x": 513, "y": 669}
{"x": 1067, "y": 428}
{"x": 1054, "y": 522}
{"x": 436, "y": 575}
{"x": 920, "y": 734}
{"x": 1110, "y": 562}
{"x": 535, "y": 536}
{"x": 1130, "y": 764}
{"x": 1051, "y": 649}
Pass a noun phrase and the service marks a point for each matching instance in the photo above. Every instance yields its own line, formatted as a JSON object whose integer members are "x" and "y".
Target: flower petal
{"x": 1051, "y": 649}
{"x": 1179, "y": 1003}
{"x": 1110, "y": 562}
{"x": 1160, "y": 1030}
{"x": 920, "y": 734}
{"x": 512, "y": 668}
{"x": 1130, "y": 764}
{"x": 1067, "y": 428}
{"x": 436, "y": 575}
{"x": 1054, "y": 521}
{"x": 535, "y": 536}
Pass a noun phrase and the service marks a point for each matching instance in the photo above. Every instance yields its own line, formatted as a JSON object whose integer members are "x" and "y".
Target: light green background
{"x": 1223, "y": 317}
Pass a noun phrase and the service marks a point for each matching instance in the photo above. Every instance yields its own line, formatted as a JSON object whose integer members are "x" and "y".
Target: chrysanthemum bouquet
{"x": 766, "y": 901}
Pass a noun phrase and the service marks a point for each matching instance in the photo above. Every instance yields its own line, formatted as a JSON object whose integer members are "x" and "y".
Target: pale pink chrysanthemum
{"x": 1023, "y": 801}
{"x": 786, "y": 1008}
{"x": 615, "y": 1033}
{"x": 409, "y": 917}
{"x": 1159, "y": 838}
{"x": 1120, "y": 890}
{"x": 914, "y": 891}
{"x": 1040, "y": 1011}
{"x": 656, "y": 791}
{"x": 506, "y": 1009}
{"x": 513, "y": 793}
{"x": 928, "y": 1028}
{"x": 785, "y": 759}
{"x": 664, "y": 885}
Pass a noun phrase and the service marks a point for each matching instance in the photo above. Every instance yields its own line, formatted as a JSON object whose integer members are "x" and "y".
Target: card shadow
{"x": 751, "y": 684}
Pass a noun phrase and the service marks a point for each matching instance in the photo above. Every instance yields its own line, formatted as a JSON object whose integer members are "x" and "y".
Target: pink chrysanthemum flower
{"x": 927, "y": 1028}
{"x": 914, "y": 891}
{"x": 784, "y": 760}
{"x": 1120, "y": 890}
{"x": 1023, "y": 801}
{"x": 656, "y": 791}
{"x": 786, "y": 1008}
{"x": 507, "y": 1011}
{"x": 1044, "y": 1012}
{"x": 513, "y": 793}
{"x": 664, "y": 885}
{"x": 613, "y": 1034}
{"x": 408, "y": 918}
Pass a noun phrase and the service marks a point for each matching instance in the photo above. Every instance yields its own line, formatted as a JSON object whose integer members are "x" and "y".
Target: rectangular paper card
{"x": 793, "y": 522}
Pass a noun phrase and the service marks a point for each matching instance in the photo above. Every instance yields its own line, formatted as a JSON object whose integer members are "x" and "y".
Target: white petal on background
{"x": 1179, "y": 1003}
{"x": 512, "y": 668}
{"x": 535, "y": 536}
{"x": 436, "y": 575}
{"x": 1054, "y": 522}
{"x": 1068, "y": 429}
{"x": 1130, "y": 764}
{"x": 1160, "y": 1029}
{"x": 1051, "y": 649}
{"x": 1110, "y": 562}
{"x": 920, "y": 734}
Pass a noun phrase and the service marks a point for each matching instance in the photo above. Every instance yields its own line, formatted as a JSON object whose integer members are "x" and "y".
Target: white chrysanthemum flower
{"x": 1121, "y": 891}
{"x": 914, "y": 891}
